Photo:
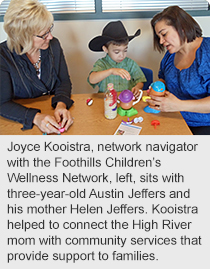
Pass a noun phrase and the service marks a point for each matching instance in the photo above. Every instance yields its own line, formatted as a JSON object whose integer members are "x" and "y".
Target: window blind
{"x": 147, "y": 5}
{"x": 88, "y": 6}
{"x": 64, "y": 6}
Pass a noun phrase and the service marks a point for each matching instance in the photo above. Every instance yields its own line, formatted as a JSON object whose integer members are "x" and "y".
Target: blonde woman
{"x": 32, "y": 64}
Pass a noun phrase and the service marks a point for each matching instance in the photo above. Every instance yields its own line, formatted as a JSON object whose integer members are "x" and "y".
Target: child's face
{"x": 116, "y": 53}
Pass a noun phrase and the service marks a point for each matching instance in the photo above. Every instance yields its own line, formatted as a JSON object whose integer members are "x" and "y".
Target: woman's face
{"x": 42, "y": 40}
{"x": 169, "y": 37}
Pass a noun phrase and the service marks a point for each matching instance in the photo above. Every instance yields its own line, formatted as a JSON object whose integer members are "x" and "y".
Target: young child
{"x": 115, "y": 67}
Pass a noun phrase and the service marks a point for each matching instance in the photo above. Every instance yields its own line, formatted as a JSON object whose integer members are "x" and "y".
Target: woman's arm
{"x": 8, "y": 108}
{"x": 17, "y": 112}
{"x": 63, "y": 89}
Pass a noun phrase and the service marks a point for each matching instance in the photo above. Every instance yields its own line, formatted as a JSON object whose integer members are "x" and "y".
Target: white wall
{"x": 75, "y": 36}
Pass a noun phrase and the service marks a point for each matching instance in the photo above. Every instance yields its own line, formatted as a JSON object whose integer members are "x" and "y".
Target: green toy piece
{"x": 126, "y": 98}
{"x": 127, "y": 112}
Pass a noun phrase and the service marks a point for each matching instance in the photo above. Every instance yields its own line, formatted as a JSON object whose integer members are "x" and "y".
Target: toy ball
{"x": 89, "y": 101}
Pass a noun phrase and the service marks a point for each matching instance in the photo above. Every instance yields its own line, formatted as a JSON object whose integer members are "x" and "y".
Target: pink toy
{"x": 62, "y": 129}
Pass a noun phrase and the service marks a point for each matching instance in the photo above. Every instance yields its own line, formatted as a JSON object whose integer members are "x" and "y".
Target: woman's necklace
{"x": 36, "y": 65}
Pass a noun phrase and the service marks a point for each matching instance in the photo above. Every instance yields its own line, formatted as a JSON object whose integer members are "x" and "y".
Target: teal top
{"x": 119, "y": 84}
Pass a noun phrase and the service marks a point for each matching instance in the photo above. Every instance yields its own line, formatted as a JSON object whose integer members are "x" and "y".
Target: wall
{"x": 75, "y": 35}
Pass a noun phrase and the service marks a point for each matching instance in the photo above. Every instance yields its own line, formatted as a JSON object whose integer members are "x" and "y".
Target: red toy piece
{"x": 114, "y": 94}
{"x": 155, "y": 123}
{"x": 89, "y": 101}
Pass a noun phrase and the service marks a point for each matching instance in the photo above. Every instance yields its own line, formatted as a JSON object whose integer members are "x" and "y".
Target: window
{"x": 117, "y": 9}
{"x": 66, "y": 6}
{"x": 63, "y": 6}
{"x": 145, "y": 5}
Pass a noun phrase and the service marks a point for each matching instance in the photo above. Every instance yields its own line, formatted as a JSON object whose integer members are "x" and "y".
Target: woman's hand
{"x": 169, "y": 103}
{"x": 46, "y": 123}
{"x": 63, "y": 116}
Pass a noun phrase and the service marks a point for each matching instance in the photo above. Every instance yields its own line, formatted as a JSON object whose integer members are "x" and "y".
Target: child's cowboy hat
{"x": 112, "y": 31}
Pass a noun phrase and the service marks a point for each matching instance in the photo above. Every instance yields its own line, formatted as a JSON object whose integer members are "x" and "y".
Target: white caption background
{"x": 126, "y": 215}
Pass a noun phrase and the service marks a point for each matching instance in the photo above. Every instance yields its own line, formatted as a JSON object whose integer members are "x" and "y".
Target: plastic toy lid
{"x": 126, "y": 96}
{"x": 158, "y": 86}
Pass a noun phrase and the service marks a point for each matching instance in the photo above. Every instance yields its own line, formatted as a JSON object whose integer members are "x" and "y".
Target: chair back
{"x": 149, "y": 76}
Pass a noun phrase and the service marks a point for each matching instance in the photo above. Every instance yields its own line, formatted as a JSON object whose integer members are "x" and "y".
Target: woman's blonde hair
{"x": 23, "y": 20}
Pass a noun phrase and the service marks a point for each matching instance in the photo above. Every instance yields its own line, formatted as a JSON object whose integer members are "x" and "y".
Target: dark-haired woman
{"x": 185, "y": 68}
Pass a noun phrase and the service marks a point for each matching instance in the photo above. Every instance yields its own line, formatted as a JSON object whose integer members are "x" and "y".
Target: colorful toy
{"x": 114, "y": 94}
{"x": 128, "y": 121}
{"x": 89, "y": 101}
{"x": 155, "y": 123}
{"x": 61, "y": 130}
{"x": 135, "y": 120}
{"x": 110, "y": 102}
{"x": 139, "y": 119}
{"x": 157, "y": 88}
{"x": 126, "y": 98}
{"x": 144, "y": 98}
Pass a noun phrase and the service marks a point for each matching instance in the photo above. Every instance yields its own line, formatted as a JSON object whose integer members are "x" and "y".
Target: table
{"x": 90, "y": 120}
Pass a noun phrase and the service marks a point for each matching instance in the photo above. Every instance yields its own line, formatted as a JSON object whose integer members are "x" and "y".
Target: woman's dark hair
{"x": 187, "y": 28}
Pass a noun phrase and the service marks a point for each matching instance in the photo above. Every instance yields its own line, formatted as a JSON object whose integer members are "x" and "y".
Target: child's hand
{"x": 135, "y": 92}
{"x": 121, "y": 72}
